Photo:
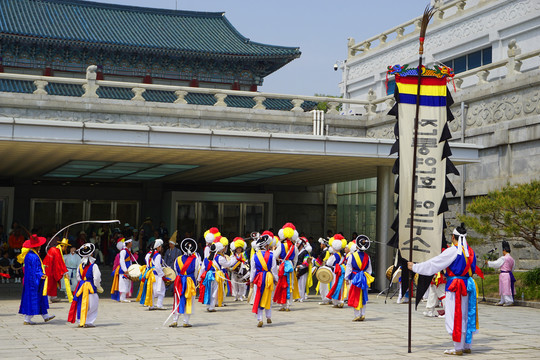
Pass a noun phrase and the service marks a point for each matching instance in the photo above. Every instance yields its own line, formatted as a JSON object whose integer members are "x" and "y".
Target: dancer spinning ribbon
{"x": 86, "y": 300}
{"x": 186, "y": 267}
{"x": 358, "y": 274}
{"x": 262, "y": 278}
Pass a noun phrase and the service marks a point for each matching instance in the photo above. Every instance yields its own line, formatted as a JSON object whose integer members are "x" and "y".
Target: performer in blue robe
{"x": 34, "y": 299}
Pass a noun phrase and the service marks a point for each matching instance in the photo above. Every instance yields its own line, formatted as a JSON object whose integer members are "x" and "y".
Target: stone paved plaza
{"x": 309, "y": 331}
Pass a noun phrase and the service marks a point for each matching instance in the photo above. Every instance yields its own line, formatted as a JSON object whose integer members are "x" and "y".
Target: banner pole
{"x": 428, "y": 13}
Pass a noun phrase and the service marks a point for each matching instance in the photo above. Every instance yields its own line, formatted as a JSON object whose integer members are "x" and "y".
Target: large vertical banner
{"x": 432, "y": 163}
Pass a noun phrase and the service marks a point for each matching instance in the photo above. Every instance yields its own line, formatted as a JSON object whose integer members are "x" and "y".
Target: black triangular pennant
{"x": 446, "y": 134}
{"x": 395, "y": 168}
{"x": 449, "y": 187}
{"x": 451, "y": 168}
{"x": 446, "y": 151}
{"x": 444, "y": 206}
{"x": 395, "y": 147}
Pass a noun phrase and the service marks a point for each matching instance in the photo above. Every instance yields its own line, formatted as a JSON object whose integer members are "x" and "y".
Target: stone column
{"x": 385, "y": 217}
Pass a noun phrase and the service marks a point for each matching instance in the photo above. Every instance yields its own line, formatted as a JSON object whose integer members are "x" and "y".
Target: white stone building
{"x": 494, "y": 48}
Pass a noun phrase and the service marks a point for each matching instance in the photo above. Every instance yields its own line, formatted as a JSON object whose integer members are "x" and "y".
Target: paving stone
{"x": 309, "y": 331}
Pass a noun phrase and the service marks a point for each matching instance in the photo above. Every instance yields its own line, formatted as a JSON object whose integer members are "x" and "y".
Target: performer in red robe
{"x": 55, "y": 268}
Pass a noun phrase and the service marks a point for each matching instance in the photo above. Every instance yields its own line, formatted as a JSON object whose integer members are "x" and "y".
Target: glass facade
{"x": 231, "y": 218}
{"x": 356, "y": 208}
{"x": 470, "y": 61}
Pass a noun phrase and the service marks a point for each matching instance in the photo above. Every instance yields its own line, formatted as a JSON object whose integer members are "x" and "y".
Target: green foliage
{"x": 532, "y": 277}
{"x": 507, "y": 213}
{"x": 491, "y": 285}
{"x": 324, "y": 104}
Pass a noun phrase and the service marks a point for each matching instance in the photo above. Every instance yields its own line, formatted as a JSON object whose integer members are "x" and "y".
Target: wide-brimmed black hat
{"x": 188, "y": 246}
{"x": 86, "y": 250}
{"x": 263, "y": 241}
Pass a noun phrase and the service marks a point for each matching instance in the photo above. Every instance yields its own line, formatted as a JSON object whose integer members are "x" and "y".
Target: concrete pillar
{"x": 385, "y": 217}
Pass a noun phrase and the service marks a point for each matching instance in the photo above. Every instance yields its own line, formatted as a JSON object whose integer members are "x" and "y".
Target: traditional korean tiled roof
{"x": 158, "y": 31}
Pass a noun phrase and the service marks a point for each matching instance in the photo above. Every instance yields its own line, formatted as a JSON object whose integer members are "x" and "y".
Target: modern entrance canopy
{"x": 45, "y": 150}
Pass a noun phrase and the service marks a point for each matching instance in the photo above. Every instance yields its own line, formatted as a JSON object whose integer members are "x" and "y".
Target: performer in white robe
{"x": 238, "y": 269}
{"x": 460, "y": 264}
{"x": 303, "y": 267}
{"x": 320, "y": 261}
{"x": 124, "y": 282}
{"x": 72, "y": 263}
{"x": 159, "y": 284}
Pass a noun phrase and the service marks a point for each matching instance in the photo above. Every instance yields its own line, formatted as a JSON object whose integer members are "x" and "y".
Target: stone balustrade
{"x": 443, "y": 11}
{"x": 372, "y": 105}
{"x": 138, "y": 90}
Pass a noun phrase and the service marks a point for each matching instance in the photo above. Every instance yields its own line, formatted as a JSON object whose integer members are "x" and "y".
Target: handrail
{"x": 365, "y": 45}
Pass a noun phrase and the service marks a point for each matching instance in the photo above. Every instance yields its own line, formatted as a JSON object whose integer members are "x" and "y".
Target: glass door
{"x": 186, "y": 221}
{"x": 230, "y": 220}
{"x": 209, "y": 216}
{"x": 253, "y": 218}
{"x": 127, "y": 212}
{"x": 72, "y": 211}
{"x": 45, "y": 216}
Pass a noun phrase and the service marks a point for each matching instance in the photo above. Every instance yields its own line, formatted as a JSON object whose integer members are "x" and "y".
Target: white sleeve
{"x": 123, "y": 261}
{"x": 369, "y": 269}
{"x": 252, "y": 269}
{"x": 223, "y": 262}
{"x": 437, "y": 263}
{"x": 78, "y": 275}
{"x": 197, "y": 268}
{"x": 277, "y": 251}
{"x": 147, "y": 258}
{"x": 157, "y": 265}
{"x": 97, "y": 276}
{"x": 331, "y": 260}
{"x": 295, "y": 261}
{"x": 206, "y": 251}
{"x": 348, "y": 269}
{"x": 274, "y": 268}
{"x": 497, "y": 263}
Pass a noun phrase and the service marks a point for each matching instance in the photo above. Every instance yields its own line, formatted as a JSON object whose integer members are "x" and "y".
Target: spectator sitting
{"x": 5, "y": 266}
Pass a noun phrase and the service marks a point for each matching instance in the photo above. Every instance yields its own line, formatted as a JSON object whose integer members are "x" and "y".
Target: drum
{"x": 324, "y": 275}
{"x": 394, "y": 277}
{"x": 243, "y": 272}
{"x": 168, "y": 275}
{"x": 134, "y": 271}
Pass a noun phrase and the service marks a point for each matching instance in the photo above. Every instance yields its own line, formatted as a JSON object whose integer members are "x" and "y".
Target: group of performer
{"x": 278, "y": 270}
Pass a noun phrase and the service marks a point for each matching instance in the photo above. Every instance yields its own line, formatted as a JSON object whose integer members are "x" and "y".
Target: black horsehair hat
{"x": 86, "y": 250}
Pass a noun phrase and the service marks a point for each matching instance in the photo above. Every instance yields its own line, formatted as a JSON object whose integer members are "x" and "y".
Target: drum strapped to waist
{"x": 168, "y": 275}
{"x": 134, "y": 271}
{"x": 243, "y": 271}
{"x": 324, "y": 275}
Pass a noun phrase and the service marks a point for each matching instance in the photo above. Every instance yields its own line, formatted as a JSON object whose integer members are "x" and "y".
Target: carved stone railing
{"x": 91, "y": 86}
{"x": 443, "y": 11}
{"x": 508, "y": 67}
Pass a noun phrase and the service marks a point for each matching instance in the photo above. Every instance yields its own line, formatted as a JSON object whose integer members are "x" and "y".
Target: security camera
{"x": 335, "y": 67}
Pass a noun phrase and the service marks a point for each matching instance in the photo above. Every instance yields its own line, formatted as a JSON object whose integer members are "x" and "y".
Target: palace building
{"x": 119, "y": 112}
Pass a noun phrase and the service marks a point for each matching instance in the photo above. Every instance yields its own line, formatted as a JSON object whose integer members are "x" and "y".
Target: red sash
{"x": 178, "y": 280}
{"x": 202, "y": 288}
{"x": 280, "y": 294}
{"x": 258, "y": 280}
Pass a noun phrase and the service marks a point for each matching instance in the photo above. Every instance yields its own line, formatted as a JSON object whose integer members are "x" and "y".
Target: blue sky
{"x": 319, "y": 28}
